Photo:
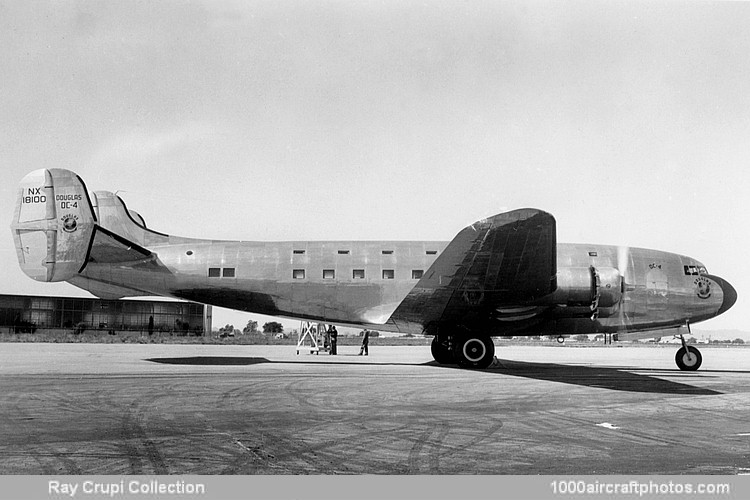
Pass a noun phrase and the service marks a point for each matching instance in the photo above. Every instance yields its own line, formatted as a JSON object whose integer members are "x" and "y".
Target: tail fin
{"x": 53, "y": 224}
{"x": 112, "y": 214}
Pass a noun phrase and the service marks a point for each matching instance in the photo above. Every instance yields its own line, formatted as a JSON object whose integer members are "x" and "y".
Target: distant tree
{"x": 738, "y": 341}
{"x": 226, "y": 330}
{"x": 273, "y": 327}
{"x": 251, "y": 328}
{"x": 582, "y": 338}
{"x": 691, "y": 340}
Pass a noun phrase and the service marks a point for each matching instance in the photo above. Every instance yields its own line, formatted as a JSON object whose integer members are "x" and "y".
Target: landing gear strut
{"x": 688, "y": 357}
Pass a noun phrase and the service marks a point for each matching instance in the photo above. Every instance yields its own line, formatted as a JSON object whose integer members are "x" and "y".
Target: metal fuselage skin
{"x": 362, "y": 283}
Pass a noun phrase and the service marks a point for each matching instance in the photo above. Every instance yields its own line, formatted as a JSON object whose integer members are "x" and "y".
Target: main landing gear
{"x": 473, "y": 351}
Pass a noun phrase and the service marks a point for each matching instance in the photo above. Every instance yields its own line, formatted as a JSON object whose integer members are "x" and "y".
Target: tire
{"x": 441, "y": 351}
{"x": 475, "y": 352}
{"x": 688, "y": 364}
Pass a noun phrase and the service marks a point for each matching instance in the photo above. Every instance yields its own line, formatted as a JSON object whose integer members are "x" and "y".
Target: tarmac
{"x": 205, "y": 409}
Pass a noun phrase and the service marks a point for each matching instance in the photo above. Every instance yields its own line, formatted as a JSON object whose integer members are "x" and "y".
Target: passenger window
{"x": 329, "y": 274}
{"x": 388, "y": 274}
{"x": 229, "y": 272}
{"x": 358, "y": 274}
{"x": 214, "y": 272}
{"x": 298, "y": 274}
{"x": 416, "y": 274}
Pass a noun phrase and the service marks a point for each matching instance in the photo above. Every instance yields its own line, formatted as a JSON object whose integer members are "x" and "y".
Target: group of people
{"x": 331, "y": 339}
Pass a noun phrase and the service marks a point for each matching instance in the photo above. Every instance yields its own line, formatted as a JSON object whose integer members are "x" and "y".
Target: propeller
{"x": 623, "y": 267}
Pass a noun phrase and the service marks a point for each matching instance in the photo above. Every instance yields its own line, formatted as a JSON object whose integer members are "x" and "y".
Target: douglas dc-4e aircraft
{"x": 501, "y": 276}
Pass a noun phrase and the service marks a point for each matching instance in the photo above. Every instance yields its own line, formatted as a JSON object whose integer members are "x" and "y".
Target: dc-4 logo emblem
{"x": 70, "y": 223}
{"x": 704, "y": 287}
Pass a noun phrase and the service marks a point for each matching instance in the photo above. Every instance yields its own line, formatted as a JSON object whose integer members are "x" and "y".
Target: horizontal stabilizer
{"x": 106, "y": 291}
{"x": 107, "y": 247}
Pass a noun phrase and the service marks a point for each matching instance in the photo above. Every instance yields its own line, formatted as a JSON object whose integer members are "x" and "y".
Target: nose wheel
{"x": 688, "y": 358}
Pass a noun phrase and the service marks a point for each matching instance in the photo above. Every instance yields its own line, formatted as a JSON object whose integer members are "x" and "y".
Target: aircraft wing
{"x": 496, "y": 265}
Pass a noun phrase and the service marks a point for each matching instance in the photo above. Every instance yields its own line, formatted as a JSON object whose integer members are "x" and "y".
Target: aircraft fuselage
{"x": 363, "y": 283}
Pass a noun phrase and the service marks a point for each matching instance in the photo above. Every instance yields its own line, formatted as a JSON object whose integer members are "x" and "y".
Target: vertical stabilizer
{"x": 53, "y": 224}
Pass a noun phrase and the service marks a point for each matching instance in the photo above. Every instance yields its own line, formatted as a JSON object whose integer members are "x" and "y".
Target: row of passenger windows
{"x": 347, "y": 252}
{"x": 328, "y": 274}
{"x": 357, "y": 274}
{"x": 217, "y": 272}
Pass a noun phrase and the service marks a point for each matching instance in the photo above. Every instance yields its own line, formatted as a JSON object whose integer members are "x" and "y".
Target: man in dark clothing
{"x": 365, "y": 343}
{"x": 334, "y": 337}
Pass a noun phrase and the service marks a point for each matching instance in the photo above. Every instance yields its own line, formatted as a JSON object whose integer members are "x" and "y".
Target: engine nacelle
{"x": 588, "y": 288}
{"x": 609, "y": 285}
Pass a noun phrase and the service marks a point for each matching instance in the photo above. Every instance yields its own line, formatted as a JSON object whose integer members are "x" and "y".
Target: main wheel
{"x": 689, "y": 359}
{"x": 441, "y": 351}
{"x": 475, "y": 352}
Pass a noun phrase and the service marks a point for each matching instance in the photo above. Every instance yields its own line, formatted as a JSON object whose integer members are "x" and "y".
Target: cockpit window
{"x": 695, "y": 270}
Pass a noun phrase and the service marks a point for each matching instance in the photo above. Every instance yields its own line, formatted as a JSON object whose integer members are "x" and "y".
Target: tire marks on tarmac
{"x": 142, "y": 452}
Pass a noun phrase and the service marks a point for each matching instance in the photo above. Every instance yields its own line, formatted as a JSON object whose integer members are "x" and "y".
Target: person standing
{"x": 365, "y": 343}
{"x": 327, "y": 341}
{"x": 334, "y": 339}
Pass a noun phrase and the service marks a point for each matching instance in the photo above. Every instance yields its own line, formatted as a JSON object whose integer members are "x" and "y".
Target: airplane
{"x": 499, "y": 277}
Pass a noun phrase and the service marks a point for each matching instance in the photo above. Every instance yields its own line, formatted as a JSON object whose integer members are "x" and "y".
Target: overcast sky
{"x": 629, "y": 121}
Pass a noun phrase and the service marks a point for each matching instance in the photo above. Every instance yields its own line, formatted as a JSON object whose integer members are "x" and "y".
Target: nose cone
{"x": 730, "y": 294}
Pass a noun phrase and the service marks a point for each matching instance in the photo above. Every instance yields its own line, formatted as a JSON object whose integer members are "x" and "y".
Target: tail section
{"x": 53, "y": 224}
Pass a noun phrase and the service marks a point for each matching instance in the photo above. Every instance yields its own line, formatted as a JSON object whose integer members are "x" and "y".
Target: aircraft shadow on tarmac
{"x": 210, "y": 361}
{"x": 618, "y": 379}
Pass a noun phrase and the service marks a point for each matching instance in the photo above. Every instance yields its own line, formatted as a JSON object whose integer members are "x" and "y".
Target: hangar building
{"x": 26, "y": 314}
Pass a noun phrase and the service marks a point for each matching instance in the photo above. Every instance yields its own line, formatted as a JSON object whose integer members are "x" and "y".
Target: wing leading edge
{"x": 504, "y": 262}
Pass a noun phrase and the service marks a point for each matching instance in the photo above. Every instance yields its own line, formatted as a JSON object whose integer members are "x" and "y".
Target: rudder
{"x": 53, "y": 224}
